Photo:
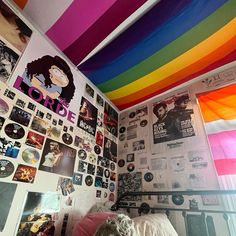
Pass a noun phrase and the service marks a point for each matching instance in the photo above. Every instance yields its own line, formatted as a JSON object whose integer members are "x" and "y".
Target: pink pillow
{"x": 89, "y": 224}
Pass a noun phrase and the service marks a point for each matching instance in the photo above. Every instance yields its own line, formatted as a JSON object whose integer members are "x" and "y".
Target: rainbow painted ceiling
{"x": 172, "y": 43}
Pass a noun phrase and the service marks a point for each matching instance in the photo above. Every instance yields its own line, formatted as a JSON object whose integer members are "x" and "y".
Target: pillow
{"x": 89, "y": 224}
{"x": 154, "y": 224}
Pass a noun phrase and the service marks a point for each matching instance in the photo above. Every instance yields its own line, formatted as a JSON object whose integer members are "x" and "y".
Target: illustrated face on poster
{"x": 7, "y": 192}
{"x": 110, "y": 149}
{"x": 57, "y": 158}
{"x": 172, "y": 119}
{"x": 87, "y": 117}
{"x": 49, "y": 81}
{"x": 39, "y": 214}
{"x": 110, "y": 119}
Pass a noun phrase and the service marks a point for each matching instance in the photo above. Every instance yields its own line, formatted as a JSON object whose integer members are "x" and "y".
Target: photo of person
{"x": 57, "y": 158}
{"x": 8, "y": 60}
{"x": 173, "y": 119}
{"x": 52, "y": 76}
{"x": 38, "y": 217}
{"x": 87, "y": 117}
{"x": 9, "y": 148}
{"x": 12, "y": 28}
{"x": 110, "y": 150}
{"x": 53, "y": 158}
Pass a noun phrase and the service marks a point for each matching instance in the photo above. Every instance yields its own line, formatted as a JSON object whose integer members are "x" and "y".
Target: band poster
{"x": 172, "y": 118}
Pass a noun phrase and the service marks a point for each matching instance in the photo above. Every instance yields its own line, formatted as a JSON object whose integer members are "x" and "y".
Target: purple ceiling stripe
{"x": 164, "y": 10}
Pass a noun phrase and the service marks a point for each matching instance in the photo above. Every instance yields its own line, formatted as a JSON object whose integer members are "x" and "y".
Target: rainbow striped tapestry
{"x": 174, "y": 42}
{"x": 219, "y": 114}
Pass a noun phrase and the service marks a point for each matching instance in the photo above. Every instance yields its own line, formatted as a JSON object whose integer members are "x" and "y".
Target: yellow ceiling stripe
{"x": 194, "y": 54}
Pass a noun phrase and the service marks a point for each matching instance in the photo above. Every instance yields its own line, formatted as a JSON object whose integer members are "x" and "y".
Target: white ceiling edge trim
{"x": 122, "y": 27}
{"x": 188, "y": 83}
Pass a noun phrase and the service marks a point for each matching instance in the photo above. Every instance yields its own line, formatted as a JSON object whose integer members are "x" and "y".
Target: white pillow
{"x": 154, "y": 224}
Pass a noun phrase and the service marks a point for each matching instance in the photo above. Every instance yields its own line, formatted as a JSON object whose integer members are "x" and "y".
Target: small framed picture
{"x": 49, "y": 116}
{"x": 89, "y": 90}
{"x": 20, "y": 103}
{"x": 100, "y": 100}
{"x": 130, "y": 157}
{"x": 40, "y": 114}
{"x": 210, "y": 200}
{"x": 31, "y": 106}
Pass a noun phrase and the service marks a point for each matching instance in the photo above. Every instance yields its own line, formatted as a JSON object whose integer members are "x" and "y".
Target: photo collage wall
{"x": 163, "y": 147}
{"x": 58, "y": 141}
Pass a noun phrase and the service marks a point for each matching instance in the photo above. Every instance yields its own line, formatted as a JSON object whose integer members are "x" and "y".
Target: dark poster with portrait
{"x": 173, "y": 118}
{"x": 39, "y": 214}
{"x": 110, "y": 119}
{"x": 7, "y": 192}
{"x": 57, "y": 158}
{"x": 14, "y": 36}
{"x": 87, "y": 117}
{"x": 110, "y": 149}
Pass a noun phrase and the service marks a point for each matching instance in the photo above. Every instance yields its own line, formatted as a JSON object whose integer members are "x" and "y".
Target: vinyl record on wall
{"x": 6, "y": 168}
{"x": 14, "y": 131}
{"x": 82, "y": 154}
{"x": 67, "y": 138}
{"x": 30, "y": 156}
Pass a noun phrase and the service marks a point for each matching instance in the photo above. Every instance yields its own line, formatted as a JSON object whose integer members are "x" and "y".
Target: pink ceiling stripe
{"x": 79, "y": 16}
{"x": 104, "y": 25}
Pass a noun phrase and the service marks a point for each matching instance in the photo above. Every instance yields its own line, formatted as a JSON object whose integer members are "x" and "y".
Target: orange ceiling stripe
{"x": 21, "y": 3}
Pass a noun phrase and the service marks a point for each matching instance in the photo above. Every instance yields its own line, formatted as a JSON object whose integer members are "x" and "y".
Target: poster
{"x": 110, "y": 119}
{"x": 173, "y": 118}
{"x": 7, "y": 192}
{"x": 87, "y": 117}
{"x": 39, "y": 214}
{"x": 57, "y": 158}
{"x": 14, "y": 36}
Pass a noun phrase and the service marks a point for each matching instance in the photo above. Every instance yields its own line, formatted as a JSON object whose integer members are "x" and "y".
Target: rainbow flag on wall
{"x": 218, "y": 108}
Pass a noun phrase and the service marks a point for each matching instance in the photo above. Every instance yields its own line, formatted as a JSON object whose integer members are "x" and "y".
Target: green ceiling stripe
{"x": 177, "y": 47}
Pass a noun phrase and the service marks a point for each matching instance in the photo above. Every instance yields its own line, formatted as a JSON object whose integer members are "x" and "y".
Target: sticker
{"x": 178, "y": 199}
{"x": 111, "y": 197}
{"x": 82, "y": 154}
{"x": 107, "y": 173}
{"x": 30, "y": 156}
{"x": 122, "y": 137}
{"x": 112, "y": 187}
{"x": 143, "y": 123}
{"x": 67, "y": 138}
{"x": 89, "y": 180}
{"x": 132, "y": 115}
{"x": 121, "y": 162}
{"x": 112, "y": 166}
{"x": 77, "y": 178}
{"x": 148, "y": 177}
{"x": 92, "y": 158}
{"x": 130, "y": 167}
{"x": 122, "y": 129}
{"x": 14, "y": 131}
{"x": 98, "y": 182}
{"x": 97, "y": 149}
{"x": 6, "y": 168}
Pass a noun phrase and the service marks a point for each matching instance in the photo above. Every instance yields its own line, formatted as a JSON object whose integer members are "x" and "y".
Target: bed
{"x": 152, "y": 224}
{"x": 157, "y": 224}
